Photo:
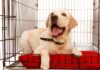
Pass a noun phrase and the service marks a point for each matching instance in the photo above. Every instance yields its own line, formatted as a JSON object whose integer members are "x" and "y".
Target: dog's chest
{"x": 58, "y": 49}
{"x": 55, "y": 49}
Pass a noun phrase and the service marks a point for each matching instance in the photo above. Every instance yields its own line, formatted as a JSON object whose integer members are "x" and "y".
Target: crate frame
{"x": 6, "y": 29}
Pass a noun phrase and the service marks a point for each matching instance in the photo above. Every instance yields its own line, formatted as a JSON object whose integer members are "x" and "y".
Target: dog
{"x": 53, "y": 39}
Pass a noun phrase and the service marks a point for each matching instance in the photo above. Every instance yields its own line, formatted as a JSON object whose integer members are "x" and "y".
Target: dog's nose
{"x": 54, "y": 17}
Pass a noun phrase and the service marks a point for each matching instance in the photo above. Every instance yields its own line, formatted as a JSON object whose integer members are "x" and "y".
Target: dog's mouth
{"x": 56, "y": 30}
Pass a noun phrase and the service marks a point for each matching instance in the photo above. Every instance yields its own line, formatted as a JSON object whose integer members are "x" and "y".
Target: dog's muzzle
{"x": 55, "y": 29}
{"x": 54, "y": 19}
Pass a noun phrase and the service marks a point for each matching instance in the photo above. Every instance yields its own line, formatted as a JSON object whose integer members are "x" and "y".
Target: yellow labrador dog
{"x": 54, "y": 39}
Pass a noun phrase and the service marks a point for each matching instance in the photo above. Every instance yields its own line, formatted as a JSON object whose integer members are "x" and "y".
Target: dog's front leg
{"x": 44, "y": 58}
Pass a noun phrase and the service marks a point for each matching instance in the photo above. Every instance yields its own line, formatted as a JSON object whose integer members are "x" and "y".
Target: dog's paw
{"x": 44, "y": 67}
{"x": 77, "y": 53}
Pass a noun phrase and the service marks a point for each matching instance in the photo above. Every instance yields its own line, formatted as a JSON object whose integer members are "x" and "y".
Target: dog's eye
{"x": 64, "y": 14}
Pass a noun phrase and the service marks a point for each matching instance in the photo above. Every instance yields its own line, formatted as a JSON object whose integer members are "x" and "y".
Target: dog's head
{"x": 60, "y": 22}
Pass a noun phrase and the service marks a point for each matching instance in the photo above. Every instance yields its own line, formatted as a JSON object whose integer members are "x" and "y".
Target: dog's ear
{"x": 72, "y": 22}
{"x": 47, "y": 21}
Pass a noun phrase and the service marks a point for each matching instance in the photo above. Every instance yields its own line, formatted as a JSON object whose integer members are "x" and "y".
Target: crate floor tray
{"x": 89, "y": 59}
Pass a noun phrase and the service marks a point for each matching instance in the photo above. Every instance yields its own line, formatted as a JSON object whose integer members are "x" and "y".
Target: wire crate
{"x": 22, "y": 15}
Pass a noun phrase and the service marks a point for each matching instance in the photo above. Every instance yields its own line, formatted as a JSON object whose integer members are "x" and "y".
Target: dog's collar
{"x": 47, "y": 39}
